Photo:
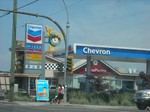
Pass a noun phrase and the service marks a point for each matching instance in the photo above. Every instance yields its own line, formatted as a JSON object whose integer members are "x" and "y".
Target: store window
{"x": 32, "y": 83}
{"x": 118, "y": 84}
{"x": 128, "y": 84}
{"x": 33, "y": 86}
{"x": 52, "y": 81}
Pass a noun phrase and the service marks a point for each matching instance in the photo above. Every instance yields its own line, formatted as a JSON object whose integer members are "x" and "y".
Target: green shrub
{"x": 113, "y": 102}
{"x": 23, "y": 98}
{"x": 122, "y": 99}
{"x": 103, "y": 98}
{"x": 97, "y": 101}
{"x": 20, "y": 97}
{"x": 78, "y": 101}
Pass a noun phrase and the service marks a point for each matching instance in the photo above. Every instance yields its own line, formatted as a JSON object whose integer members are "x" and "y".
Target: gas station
{"x": 108, "y": 53}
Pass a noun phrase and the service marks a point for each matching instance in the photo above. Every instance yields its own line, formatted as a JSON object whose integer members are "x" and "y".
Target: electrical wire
{"x": 4, "y": 14}
{"x": 54, "y": 12}
{"x": 28, "y": 4}
{"x": 19, "y": 8}
{"x": 67, "y": 7}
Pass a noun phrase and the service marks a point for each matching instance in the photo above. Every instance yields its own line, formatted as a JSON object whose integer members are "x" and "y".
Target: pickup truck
{"x": 142, "y": 99}
{"x": 142, "y": 95}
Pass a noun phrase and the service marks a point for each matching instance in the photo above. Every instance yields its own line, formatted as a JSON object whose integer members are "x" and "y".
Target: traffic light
{"x": 70, "y": 64}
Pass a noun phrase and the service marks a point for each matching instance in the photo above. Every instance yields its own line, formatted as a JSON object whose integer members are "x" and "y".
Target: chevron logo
{"x": 34, "y": 36}
{"x": 34, "y": 33}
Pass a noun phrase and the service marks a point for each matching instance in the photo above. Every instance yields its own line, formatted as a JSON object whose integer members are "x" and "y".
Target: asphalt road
{"x": 46, "y": 107}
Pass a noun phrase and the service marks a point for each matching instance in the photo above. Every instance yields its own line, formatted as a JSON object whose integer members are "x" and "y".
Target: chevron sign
{"x": 33, "y": 49}
{"x": 34, "y": 33}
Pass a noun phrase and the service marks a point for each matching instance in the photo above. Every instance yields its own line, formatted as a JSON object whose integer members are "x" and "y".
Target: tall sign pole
{"x": 13, "y": 51}
{"x": 43, "y": 58}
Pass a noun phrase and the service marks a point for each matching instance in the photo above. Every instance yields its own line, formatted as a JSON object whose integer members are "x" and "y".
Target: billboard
{"x": 42, "y": 90}
{"x": 33, "y": 49}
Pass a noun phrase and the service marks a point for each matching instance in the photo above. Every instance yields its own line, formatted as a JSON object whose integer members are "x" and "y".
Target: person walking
{"x": 62, "y": 94}
{"x": 59, "y": 93}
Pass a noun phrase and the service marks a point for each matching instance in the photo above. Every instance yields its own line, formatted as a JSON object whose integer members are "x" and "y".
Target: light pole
{"x": 62, "y": 31}
{"x": 67, "y": 40}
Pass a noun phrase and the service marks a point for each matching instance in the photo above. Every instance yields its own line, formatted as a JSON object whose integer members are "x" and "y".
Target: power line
{"x": 27, "y": 4}
{"x": 19, "y": 8}
{"x": 4, "y": 14}
{"x": 54, "y": 12}
{"x": 67, "y": 7}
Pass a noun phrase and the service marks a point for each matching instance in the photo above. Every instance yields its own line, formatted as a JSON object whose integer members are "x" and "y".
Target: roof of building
{"x": 83, "y": 63}
{"x": 48, "y": 56}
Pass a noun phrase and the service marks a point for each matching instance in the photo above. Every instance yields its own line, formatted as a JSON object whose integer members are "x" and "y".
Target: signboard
{"x": 33, "y": 46}
{"x": 97, "y": 68}
{"x": 34, "y": 34}
{"x": 27, "y": 66}
{"x": 42, "y": 90}
{"x": 33, "y": 56}
{"x": 33, "y": 49}
{"x": 110, "y": 51}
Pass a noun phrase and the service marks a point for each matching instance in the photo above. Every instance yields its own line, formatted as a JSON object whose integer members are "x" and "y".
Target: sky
{"x": 120, "y": 23}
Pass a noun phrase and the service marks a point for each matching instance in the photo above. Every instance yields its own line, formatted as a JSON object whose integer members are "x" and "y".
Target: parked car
{"x": 142, "y": 99}
{"x": 142, "y": 96}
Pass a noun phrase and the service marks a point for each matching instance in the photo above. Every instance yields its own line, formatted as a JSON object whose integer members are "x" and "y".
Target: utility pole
{"x": 13, "y": 51}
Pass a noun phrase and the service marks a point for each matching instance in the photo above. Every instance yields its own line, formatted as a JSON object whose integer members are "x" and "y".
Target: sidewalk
{"x": 24, "y": 103}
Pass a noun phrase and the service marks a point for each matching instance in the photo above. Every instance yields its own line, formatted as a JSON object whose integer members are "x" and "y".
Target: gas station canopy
{"x": 107, "y": 53}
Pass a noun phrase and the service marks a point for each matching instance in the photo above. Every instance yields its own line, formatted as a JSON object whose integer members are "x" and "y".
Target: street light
{"x": 46, "y": 17}
{"x": 66, "y": 51}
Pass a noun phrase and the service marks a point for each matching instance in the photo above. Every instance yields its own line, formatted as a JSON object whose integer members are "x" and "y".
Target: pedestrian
{"x": 62, "y": 93}
{"x": 59, "y": 93}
